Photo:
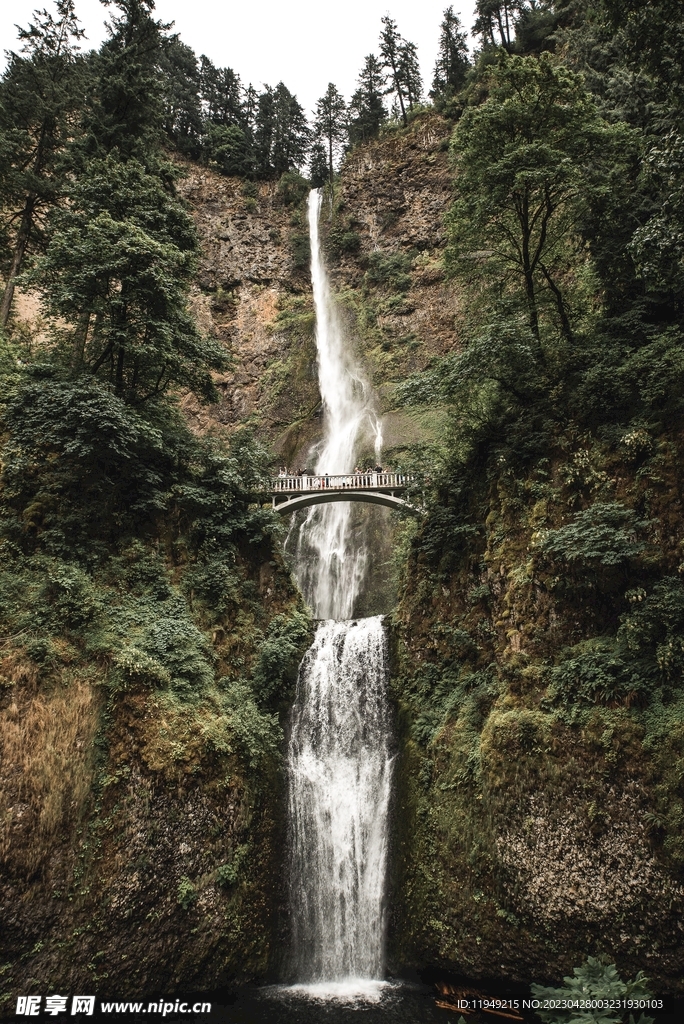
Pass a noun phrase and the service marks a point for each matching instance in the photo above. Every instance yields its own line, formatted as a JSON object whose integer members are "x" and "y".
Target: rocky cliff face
{"x": 383, "y": 233}
{"x": 253, "y": 293}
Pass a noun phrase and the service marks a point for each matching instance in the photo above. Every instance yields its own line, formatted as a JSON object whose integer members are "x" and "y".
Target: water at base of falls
{"x": 340, "y": 768}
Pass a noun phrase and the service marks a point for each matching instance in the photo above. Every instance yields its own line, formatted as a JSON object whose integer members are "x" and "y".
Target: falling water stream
{"x": 339, "y": 757}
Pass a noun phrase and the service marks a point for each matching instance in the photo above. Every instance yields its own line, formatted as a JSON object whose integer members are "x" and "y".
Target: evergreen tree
{"x": 495, "y": 21}
{"x": 390, "y": 51}
{"x": 182, "y": 106}
{"x": 221, "y": 94}
{"x": 281, "y": 133}
{"x": 452, "y": 62}
{"x": 39, "y": 94}
{"x": 126, "y": 108}
{"x": 318, "y": 165}
{"x": 330, "y": 123}
{"x": 366, "y": 109}
{"x": 291, "y": 135}
{"x": 117, "y": 273}
{"x": 400, "y": 60}
{"x": 409, "y": 70}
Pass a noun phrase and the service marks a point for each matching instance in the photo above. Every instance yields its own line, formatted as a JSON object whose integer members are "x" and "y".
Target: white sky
{"x": 304, "y": 43}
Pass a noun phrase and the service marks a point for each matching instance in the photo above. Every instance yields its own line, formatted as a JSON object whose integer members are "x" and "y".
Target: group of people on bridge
{"x": 284, "y": 471}
{"x": 360, "y": 479}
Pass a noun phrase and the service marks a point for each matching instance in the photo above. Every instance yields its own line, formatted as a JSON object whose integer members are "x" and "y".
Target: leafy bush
{"x": 594, "y": 981}
{"x": 644, "y": 660}
{"x": 279, "y": 656}
{"x": 228, "y": 874}
{"x": 341, "y": 241}
{"x": 301, "y": 251}
{"x": 186, "y": 894}
{"x": 389, "y": 270}
{"x": 292, "y": 188}
{"x": 603, "y": 535}
{"x": 258, "y": 733}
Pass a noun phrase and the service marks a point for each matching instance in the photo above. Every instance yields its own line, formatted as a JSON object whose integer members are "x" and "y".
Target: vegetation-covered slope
{"x": 150, "y": 633}
{"x": 540, "y": 633}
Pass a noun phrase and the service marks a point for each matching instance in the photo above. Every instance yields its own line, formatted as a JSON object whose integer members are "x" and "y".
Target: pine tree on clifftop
{"x": 330, "y": 123}
{"x": 39, "y": 95}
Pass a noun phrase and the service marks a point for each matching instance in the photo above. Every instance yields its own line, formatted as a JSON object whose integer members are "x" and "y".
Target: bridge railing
{"x": 340, "y": 482}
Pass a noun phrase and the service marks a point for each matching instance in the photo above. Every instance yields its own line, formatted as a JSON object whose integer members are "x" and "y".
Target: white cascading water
{"x": 339, "y": 757}
{"x": 330, "y": 563}
{"x": 341, "y": 772}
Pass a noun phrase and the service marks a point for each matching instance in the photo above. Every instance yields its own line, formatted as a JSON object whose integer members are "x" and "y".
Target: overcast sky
{"x": 304, "y": 43}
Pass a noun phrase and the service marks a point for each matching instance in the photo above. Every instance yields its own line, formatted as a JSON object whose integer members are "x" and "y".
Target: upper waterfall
{"x": 329, "y": 566}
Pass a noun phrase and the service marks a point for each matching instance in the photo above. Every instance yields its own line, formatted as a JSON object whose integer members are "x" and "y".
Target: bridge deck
{"x": 383, "y": 483}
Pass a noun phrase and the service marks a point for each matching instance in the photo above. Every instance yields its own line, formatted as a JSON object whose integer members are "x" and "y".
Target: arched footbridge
{"x": 290, "y": 493}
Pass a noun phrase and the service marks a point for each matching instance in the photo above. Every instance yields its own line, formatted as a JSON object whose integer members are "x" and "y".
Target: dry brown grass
{"x": 45, "y": 763}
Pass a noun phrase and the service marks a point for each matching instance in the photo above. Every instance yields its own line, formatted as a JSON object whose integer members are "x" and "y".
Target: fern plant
{"x": 594, "y": 983}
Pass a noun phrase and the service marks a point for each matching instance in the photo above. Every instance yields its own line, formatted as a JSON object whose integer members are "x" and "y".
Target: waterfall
{"x": 339, "y": 758}
{"x": 330, "y": 563}
{"x": 339, "y": 794}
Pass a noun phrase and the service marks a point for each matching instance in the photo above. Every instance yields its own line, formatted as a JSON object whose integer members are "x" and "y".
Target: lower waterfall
{"x": 339, "y": 758}
{"x": 340, "y": 769}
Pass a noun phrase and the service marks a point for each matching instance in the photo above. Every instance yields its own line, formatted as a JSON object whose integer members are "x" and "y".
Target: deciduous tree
{"x": 528, "y": 160}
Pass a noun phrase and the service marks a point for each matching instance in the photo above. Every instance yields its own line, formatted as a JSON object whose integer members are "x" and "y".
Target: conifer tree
{"x": 390, "y": 51}
{"x": 495, "y": 21}
{"x": 221, "y": 94}
{"x": 367, "y": 110}
{"x": 318, "y": 165}
{"x": 117, "y": 272}
{"x": 291, "y": 132}
{"x": 127, "y": 104}
{"x": 182, "y": 107}
{"x": 281, "y": 134}
{"x": 39, "y": 94}
{"x": 452, "y": 62}
{"x": 409, "y": 69}
{"x": 330, "y": 123}
{"x": 400, "y": 60}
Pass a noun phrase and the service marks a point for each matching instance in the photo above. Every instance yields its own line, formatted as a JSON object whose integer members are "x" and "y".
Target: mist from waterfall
{"x": 339, "y": 758}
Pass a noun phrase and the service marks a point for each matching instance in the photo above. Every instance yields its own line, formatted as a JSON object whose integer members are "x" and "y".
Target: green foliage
{"x": 603, "y": 535}
{"x": 228, "y": 874}
{"x": 258, "y": 733}
{"x": 594, "y": 981}
{"x": 186, "y": 893}
{"x": 342, "y": 242}
{"x": 39, "y": 96}
{"x": 228, "y": 148}
{"x": 117, "y": 269}
{"x": 389, "y": 270}
{"x": 279, "y": 656}
{"x": 330, "y": 124}
{"x": 525, "y": 163}
{"x": 292, "y": 188}
{"x": 301, "y": 251}
{"x": 366, "y": 109}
